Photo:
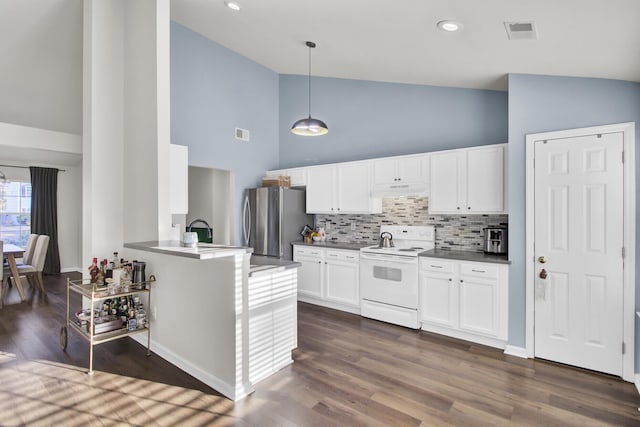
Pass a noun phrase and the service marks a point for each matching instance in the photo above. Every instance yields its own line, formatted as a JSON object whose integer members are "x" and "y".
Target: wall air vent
{"x": 242, "y": 134}
{"x": 521, "y": 30}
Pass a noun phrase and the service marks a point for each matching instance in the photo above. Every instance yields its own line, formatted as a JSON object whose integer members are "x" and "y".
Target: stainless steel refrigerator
{"x": 272, "y": 218}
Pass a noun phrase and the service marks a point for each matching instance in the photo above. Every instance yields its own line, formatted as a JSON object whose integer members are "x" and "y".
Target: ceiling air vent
{"x": 242, "y": 134}
{"x": 521, "y": 30}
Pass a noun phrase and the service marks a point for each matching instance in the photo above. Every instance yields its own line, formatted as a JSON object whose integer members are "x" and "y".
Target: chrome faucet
{"x": 209, "y": 230}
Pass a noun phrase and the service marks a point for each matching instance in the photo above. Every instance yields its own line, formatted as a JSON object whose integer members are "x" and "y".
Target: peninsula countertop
{"x": 264, "y": 264}
{"x": 201, "y": 251}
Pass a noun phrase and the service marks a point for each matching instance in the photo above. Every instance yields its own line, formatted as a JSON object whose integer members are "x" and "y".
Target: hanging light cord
{"x": 311, "y": 46}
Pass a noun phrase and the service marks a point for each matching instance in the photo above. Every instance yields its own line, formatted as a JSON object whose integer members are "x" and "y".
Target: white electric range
{"x": 389, "y": 276}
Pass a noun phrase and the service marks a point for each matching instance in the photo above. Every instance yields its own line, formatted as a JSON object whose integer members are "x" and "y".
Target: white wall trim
{"x": 513, "y": 350}
{"x": 637, "y": 383}
{"x": 629, "y": 226}
{"x": 212, "y": 381}
{"x": 462, "y": 335}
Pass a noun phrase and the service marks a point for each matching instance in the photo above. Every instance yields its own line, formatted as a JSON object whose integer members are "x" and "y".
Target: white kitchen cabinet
{"x": 468, "y": 181}
{"x": 178, "y": 179}
{"x": 409, "y": 169}
{"x": 341, "y": 189}
{"x": 342, "y": 277}
{"x": 311, "y": 272}
{"x": 329, "y": 277}
{"x": 438, "y": 299}
{"x": 463, "y": 299}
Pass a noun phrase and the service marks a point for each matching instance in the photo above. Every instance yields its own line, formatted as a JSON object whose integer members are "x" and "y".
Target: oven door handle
{"x": 388, "y": 258}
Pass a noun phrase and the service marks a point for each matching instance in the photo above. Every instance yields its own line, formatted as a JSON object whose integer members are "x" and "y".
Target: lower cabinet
{"x": 463, "y": 299}
{"x": 329, "y": 277}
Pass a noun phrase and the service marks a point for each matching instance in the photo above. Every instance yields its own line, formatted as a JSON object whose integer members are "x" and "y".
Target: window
{"x": 15, "y": 212}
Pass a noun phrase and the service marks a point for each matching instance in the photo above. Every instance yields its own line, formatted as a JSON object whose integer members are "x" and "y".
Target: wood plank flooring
{"x": 348, "y": 371}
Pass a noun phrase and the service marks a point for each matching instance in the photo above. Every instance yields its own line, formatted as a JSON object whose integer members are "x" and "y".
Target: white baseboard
{"x": 467, "y": 336}
{"x": 329, "y": 304}
{"x": 637, "y": 383}
{"x": 212, "y": 381}
{"x": 513, "y": 350}
{"x": 70, "y": 270}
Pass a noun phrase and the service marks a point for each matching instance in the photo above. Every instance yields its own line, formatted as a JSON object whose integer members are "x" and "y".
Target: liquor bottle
{"x": 100, "y": 275}
{"x": 93, "y": 270}
{"x": 116, "y": 260}
{"x": 108, "y": 271}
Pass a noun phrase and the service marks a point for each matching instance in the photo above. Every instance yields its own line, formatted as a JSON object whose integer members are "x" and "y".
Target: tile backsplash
{"x": 460, "y": 232}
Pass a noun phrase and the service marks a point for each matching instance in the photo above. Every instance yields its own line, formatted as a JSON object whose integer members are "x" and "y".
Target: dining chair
{"x": 33, "y": 271}
{"x": 28, "y": 249}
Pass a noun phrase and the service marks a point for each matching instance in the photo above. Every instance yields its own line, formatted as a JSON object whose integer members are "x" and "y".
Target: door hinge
{"x": 624, "y": 252}
{"x": 624, "y": 348}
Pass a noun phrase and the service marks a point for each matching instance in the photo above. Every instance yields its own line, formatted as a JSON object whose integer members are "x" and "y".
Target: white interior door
{"x": 578, "y": 243}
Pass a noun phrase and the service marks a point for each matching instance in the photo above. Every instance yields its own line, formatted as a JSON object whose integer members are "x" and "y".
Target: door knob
{"x": 543, "y": 274}
{"x": 542, "y": 259}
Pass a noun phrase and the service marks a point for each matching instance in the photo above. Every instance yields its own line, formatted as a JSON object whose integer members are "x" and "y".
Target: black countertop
{"x": 466, "y": 256}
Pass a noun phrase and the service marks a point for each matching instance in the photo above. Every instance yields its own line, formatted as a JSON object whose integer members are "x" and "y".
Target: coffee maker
{"x": 495, "y": 240}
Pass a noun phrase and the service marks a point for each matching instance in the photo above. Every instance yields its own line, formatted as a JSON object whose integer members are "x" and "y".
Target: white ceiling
{"x": 398, "y": 41}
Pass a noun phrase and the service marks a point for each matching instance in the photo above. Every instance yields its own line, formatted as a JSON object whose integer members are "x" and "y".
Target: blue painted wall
{"x": 547, "y": 103}
{"x": 372, "y": 119}
{"x": 214, "y": 90}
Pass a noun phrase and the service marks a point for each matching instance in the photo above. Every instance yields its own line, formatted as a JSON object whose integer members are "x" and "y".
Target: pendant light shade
{"x": 309, "y": 126}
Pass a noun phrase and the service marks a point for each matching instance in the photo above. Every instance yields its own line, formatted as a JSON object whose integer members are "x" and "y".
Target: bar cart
{"x": 107, "y": 322}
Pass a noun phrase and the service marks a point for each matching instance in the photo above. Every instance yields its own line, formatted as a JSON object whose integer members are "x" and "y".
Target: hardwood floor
{"x": 347, "y": 371}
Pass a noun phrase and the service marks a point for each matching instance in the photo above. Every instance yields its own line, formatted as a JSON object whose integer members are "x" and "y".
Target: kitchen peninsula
{"x": 215, "y": 314}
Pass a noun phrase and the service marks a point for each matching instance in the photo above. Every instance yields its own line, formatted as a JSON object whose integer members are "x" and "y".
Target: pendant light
{"x": 310, "y": 126}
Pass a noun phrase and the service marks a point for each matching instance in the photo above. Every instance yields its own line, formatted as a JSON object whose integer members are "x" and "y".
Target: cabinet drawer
{"x": 352, "y": 256}
{"x": 479, "y": 270}
{"x": 436, "y": 265}
{"x": 307, "y": 251}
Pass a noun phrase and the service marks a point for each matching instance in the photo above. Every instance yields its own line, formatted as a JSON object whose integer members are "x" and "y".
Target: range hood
{"x": 416, "y": 189}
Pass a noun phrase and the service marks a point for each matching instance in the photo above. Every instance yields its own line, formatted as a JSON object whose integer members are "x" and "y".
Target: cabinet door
{"x": 342, "y": 282}
{"x": 178, "y": 179}
{"x": 411, "y": 169}
{"x": 384, "y": 171}
{"x": 445, "y": 171}
{"x": 485, "y": 179}
{"x": 298, "y": 177}
{"x": 354, "y": 189}
{"x": 479, "y": 306}
{"x": 438, "y": 299}
{"x": 321, "y": 184}
{"x": 310, "y": 276}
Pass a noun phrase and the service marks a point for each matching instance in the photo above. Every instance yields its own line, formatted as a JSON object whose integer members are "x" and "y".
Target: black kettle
{"x": 386, "y": 240}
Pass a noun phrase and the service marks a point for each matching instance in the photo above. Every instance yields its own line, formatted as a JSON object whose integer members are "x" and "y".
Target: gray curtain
{"x": 44, "y": 212}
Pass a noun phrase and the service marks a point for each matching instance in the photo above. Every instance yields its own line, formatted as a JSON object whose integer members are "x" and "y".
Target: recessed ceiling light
{"x": 232, "y": 5}
{"x": 450, "y": 26}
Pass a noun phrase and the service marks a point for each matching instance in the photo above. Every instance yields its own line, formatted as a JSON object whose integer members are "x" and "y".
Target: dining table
{"x": 10, "y": 253}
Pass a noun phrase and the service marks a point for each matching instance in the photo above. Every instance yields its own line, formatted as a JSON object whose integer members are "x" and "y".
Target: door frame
{"x": 629, "y": 235}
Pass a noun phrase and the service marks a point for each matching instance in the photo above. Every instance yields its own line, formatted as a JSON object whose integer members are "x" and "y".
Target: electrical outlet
{"x": 353, "y": 226}
{"x": 327, "y": 225}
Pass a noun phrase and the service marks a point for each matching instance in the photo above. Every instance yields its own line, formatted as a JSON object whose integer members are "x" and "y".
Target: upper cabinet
{"x": 298, "y": 175}
{"x": 178, "y": 179}
{"x": 468, "y": 181}
{"x": 408, "y": 169}
{"x": 341, "y": 189}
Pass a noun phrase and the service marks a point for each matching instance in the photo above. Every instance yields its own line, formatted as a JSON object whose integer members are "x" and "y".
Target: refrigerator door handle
{"x": 246, "y": 221}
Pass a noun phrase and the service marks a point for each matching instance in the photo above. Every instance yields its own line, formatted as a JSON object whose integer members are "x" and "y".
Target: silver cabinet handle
{"x": 478, "y": 271}
{"x": 436, "y": 266}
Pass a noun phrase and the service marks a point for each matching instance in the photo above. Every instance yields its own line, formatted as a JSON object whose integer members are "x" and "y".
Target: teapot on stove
{"x": 386, "y": 240}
